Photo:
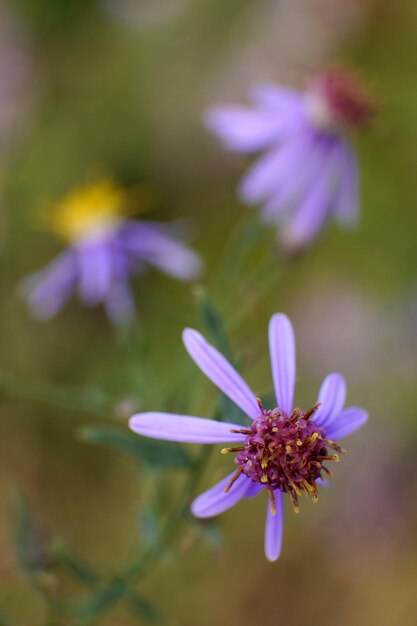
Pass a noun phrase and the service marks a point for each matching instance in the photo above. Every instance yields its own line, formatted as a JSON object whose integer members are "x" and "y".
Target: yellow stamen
{"x": 272, "y": 501}
{"x": 90, "y": 209}
{"x": 233, "y": 479}
{"x": 227, "y": 450}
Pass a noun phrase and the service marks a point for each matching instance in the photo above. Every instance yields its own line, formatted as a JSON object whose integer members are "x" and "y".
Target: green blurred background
{"x": 118, "y": 87}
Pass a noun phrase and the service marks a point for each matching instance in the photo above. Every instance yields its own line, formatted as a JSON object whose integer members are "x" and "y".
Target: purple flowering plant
{"x": 308, "y": 171}
{"x": 104, "y": 250}
{"x": 285, "y": 450}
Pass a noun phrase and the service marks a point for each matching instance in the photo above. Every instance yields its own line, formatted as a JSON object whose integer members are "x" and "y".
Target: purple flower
{"x": 309, "y": 170}
{"x": 104, "y": 250}
{"x": 284, "y": 450}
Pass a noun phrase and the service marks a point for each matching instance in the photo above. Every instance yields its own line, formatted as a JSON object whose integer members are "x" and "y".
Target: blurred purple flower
{"x": 284, "y": 449}
{"x": 309, "y": 170}
{"x": 105, "y": 250}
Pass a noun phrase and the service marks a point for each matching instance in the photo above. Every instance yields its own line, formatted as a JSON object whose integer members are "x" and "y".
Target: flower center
{"x": 338, "y": 98}
{"x": 285, "y": 452}
{"x": 89, "y": 211}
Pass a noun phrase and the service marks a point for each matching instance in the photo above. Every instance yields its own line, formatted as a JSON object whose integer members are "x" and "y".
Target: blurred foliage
{"x": 156, "y": 453}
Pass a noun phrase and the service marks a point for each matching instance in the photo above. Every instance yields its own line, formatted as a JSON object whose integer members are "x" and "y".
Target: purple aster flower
{"x": 105, "y": 249}
{"x": 283, "y": 451}
{"x": 309, "y": 169}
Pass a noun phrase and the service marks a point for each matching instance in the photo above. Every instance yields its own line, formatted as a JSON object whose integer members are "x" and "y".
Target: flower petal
{"x": 313, "y": 212}
{"x": 95, "y": 270}
{"x": 184, "y": 428}
{"x": 267, "y": 174}
{"x": 332, "y": 397}
{"x": 321, "y": 482}
{"x": 276, "y": 98}
{"x": 152, "y": 243}
{"x": 292, "y": 185}
{"x": 241, "y": 129}
{"x": 274, "y": 528}
{"x": 48, "y": 290}
{"x": 220, "y": 372}
{"x": 282, "y": 352}
{"x": 215, "y": 500}
{"x": 254, "y": 489}
{"x": 347, "y": 422}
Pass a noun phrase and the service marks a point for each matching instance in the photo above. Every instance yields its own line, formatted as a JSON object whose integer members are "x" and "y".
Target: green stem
{"x": 156, "y": 550}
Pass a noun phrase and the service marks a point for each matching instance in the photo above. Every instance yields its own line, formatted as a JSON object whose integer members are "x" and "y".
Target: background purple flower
{"x": 283, "y": 451}
{"x": 309, "y": 169}
{"x": 105, "y": 250}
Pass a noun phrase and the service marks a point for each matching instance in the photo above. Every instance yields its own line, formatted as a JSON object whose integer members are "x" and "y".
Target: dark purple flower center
{"x": 285, "y": 452}
{"x": 345, "y": 97}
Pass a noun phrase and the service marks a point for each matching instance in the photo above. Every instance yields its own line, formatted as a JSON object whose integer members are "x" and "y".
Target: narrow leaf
{"x": 143, "y": 609}
{"x": 153, "y": 452}
{"x": 213, "y": 324}
{"x": 77, "y": 567}
{"x": 99, "y": 602}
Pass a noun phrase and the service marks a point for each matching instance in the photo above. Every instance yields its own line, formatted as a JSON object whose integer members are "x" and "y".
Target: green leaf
{"x": 213, "y": 324}
{"x": 99, "y": 602}
{"x": 77, "y": 567}
{"x": 30, "y": 539}
{"x": 156, "y": 453}
{"x": 227, "y": 411}
{"x": 143, "y": 609}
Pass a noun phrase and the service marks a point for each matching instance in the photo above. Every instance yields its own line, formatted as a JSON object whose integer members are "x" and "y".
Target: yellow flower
{"x": 88, "y": 210}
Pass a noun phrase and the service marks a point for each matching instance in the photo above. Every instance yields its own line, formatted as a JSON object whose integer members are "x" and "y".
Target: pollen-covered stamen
{"x": 339, "y": 97}
{"x": 233, "y": 479}
{"x": 284, "y": 452}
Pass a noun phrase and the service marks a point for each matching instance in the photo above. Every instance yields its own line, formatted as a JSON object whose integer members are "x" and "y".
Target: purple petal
{"x": 119, "y": 300}
{"x": 293, "y": 185}
{"x": 347, "y": 422}
{"x": 347, "y": 201}
{"x": 254, "y": 489}
{"x": 313, "y": 212}
{"x": 265, "y": 177}
{"x": 242, "y": 130}
{"x": 275, "y": 98}
{"x": 332, "y": 397}
{"x": 282, "y": 352}
{"x": 322, "y": 483}
{"x": 216, "y": 500}
{"x": 95, "y": 270}
{"x": 152, "y": 244}
{"x": 274, "y": 528}
{"x": 184, "y": 428}
{"x": 220, "y": 372}
{"x": 48, "y": 290}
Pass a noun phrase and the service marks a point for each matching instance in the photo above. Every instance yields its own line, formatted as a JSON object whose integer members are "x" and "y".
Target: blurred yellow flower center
{"x": 89, "y": 211}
